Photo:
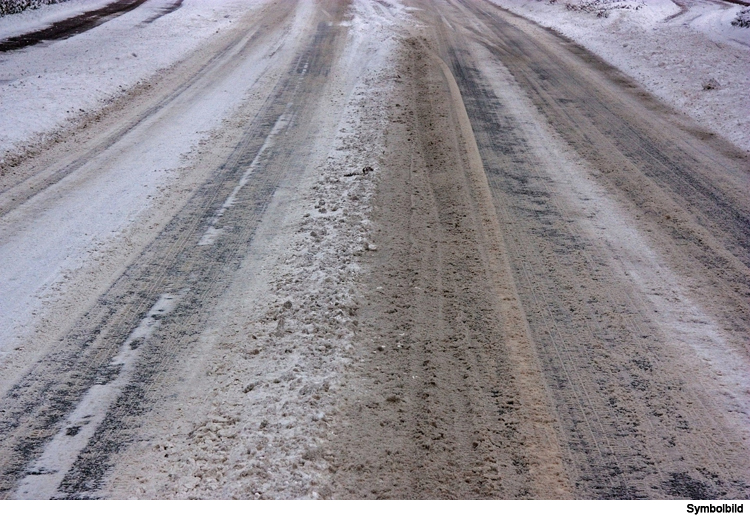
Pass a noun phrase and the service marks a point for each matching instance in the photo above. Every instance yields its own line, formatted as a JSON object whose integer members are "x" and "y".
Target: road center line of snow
{"x": 46, "y": 474}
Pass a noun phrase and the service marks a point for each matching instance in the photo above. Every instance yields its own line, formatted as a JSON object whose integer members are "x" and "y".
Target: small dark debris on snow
{"x": 72, "y": 431}
{"x": 364, "y": 171}
{"x": 743, "y": 19}
{"x": 711, "y": 84}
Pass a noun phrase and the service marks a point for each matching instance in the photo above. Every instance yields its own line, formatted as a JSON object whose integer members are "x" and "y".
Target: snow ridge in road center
{"x": 270, "y": 371}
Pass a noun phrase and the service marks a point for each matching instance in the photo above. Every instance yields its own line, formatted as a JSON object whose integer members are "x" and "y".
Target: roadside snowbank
{"x": 686, "y": 53}
{"x": 43, "y": 16}
{"x": 48, "y": 87}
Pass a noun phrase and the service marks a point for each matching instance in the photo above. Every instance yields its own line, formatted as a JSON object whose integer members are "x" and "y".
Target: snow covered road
{"x": 363, "y": 249}
{"x": 116, "y": 219}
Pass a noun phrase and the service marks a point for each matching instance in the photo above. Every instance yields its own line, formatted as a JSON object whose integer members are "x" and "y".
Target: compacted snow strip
{"x": 53, "y": 85}
{"x": 687, "y": 53}
{"x": 266, "y": 376}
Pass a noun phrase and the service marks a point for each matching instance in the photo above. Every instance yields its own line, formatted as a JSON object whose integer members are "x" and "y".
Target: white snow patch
{"x": 673, "y": 49}
{"x": 69, "y": 226}
{"x": 49, "y": 85}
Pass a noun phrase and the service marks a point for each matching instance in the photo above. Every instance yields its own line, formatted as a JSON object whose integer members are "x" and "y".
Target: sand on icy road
{"x": 584, "y": 335}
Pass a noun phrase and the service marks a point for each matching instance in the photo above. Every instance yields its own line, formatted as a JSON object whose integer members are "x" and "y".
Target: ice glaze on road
{"x": 377, "y": 250}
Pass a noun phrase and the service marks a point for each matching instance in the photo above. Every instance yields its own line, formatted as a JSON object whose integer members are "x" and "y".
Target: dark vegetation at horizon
{"x": 10, "y": 7}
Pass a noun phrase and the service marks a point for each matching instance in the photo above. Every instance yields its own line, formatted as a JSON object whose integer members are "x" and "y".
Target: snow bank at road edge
{"x": 693, "y": 59}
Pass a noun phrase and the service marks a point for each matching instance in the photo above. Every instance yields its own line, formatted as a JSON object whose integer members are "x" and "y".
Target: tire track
{"x": 170, "y": 8}
{"x": 635, "y": 424}
{"x": 451, "y": 405}
{"x": 654, "y": 165}
{"x": 17, "y": 191}
{"x": 174, "y": 262}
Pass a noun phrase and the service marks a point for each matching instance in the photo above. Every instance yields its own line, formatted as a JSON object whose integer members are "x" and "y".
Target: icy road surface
{"x": 336, "y": 249}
